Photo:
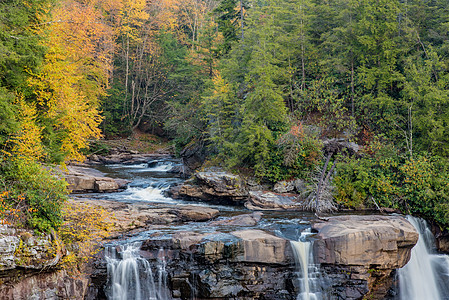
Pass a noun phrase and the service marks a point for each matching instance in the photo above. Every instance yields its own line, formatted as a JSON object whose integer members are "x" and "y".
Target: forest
{"x": 261, "y": 85}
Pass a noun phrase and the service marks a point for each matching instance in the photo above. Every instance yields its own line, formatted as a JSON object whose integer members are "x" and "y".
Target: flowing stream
{"x": 426, "y": 275}
{"x": 132, "y": 277}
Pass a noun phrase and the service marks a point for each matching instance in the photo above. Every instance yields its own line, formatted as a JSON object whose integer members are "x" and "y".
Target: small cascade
{"x": 160, "y": 166}
{"x": 309, "y": 273}
{"x": 130, "y": 276}
{"x": 426, "y": 275}
{"x": 152, "y": 193}
{"x": 162, "y": 275}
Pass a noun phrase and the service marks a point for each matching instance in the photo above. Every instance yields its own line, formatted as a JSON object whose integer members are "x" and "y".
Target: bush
{"x": 417, "y": 186}
{"x": 83, "y": 228}
{"x": 295, "y": 154}
{"x": 34, "y": 193}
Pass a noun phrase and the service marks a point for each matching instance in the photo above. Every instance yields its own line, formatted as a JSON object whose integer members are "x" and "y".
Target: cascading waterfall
{"x": 130, "y": 276}
{"x": 309, "y": 275}
{"x": 426, "y": 275}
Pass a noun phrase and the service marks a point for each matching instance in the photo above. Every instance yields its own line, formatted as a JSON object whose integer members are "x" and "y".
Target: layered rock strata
{"x": 359, "y": 253}
{"x": 358, "y": 256}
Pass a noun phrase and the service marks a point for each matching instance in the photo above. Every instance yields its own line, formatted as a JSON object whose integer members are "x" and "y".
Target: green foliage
{"x": 419, "y": 185}
{"x": 228, "y": 23}
{"x": 40, "y": 193}
{"x": 20, "y": 48}
{"x": 8, "y": 122}
{"x": 295, "y": 155}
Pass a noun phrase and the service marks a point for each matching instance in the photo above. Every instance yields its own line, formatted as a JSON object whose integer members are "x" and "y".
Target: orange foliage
{"x": 13, "y": 214}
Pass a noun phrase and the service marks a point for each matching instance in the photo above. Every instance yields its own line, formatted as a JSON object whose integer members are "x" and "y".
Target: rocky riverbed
{"x": 212, "y": 251}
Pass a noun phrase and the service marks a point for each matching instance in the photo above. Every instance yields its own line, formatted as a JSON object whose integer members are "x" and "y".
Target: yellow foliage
{"x": 84, "y": 227}
{"x": 27, "y": 142}
{"x": 75, "y": 73}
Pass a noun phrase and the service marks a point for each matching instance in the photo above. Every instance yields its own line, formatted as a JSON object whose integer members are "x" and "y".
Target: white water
{"x": 426, "y": 275}
{"x": 130, "y": 276}
{"x": 159, "y": 166}
{"x": 149, "y": 194}
{"x": 309, "y": 275}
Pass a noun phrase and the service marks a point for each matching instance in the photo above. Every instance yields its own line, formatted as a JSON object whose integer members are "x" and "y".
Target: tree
{"x": 73, "y": 78}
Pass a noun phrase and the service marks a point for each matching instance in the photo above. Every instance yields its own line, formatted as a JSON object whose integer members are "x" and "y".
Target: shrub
{"x": 83, "y": 228}
{"x": 36, "y": 192}
{"x": 418, "y": 186}
{"x": 295, "y": 155}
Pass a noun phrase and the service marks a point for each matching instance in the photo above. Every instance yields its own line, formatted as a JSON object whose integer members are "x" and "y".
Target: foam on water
{"x": 308, "y": 272}
{"x": 130, "y": 277}
{"x": 426, "y": 275}
{"x": 149, "y": 194}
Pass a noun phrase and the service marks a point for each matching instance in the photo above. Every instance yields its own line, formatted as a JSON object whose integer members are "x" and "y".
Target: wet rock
{"x": 259, "y": 246}
{"x": 215, "y": 185}
{"x": 241, "y": 220}
{"x": 195, "y": 213}
{"x": 359, "y": 254}
{"x": 263, "y": 200}
{"x": 217, "y": 286}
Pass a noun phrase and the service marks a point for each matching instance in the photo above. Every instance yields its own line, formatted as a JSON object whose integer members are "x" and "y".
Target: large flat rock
{"x": 81, "y": 179}
{"x": 130, "y": 216}
{"x": 260, "y": 246}
{"x": 381, "y": 241}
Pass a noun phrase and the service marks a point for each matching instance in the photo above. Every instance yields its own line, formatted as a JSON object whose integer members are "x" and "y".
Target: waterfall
{"x": 130, "y": 277}
{"x": 426, "y": 275}
{"x": 309, "y": 273}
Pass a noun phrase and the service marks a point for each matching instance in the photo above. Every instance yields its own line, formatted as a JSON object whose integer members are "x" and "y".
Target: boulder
{"x": 222, "y": 184}
{"x": 359, "y": 254}
{"x": 195, "y": 213}
{"x": 380, "y": 241}
{"x": 105, "y": 185}
{"x": 263, "y": 200}
{"x": 241, "y": 220}
{"x": 259, "y": 246}
{"x": 297, "y": 185}
{"x": 284, "y": 187}
{"x": 81, "y": 180}
{"x": 215, "y": 185}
